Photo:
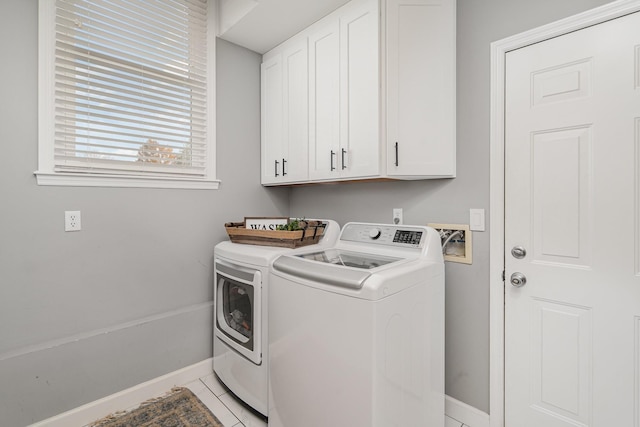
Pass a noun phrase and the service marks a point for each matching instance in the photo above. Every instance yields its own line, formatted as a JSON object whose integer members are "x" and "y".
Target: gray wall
{"x": 140, "y": 269}
{"x": 449, "y": 201}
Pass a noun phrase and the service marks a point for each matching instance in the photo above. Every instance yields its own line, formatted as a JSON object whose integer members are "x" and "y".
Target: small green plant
{"x": 293, "y": 225}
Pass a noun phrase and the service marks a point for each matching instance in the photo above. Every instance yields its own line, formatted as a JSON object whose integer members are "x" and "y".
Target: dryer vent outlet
{"x": 456, "y": 242}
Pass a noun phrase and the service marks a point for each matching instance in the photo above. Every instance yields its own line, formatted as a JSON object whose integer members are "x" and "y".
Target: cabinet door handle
{"x": 344, "y": 166}
{"x": 396, "y": 154}
{"x": 276, "y": 165}
{"x": 283, "y": 164}
{"x": 332, "y": 154}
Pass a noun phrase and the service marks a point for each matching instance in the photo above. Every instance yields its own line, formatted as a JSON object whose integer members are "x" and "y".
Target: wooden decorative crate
{"x": 238, "y": 233}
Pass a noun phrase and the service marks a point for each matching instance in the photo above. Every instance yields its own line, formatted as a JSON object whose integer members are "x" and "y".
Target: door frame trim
{"x": 499, "y": 49}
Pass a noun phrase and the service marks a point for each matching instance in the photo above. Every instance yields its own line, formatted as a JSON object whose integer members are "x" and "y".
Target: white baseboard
{"x": 129, "y": 398}
{"x": 467, "y": 415}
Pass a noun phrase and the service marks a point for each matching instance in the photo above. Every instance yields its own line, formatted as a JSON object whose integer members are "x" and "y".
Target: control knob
{"x": 374, "y": 233}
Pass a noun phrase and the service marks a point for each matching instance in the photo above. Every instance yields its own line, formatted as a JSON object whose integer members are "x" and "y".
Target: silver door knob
{"x": 518, "y": 252}
{"x": 518, "y": 280}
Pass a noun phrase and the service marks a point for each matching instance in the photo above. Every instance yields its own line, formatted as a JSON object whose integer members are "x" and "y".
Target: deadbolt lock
{"x": 518, "y": 252}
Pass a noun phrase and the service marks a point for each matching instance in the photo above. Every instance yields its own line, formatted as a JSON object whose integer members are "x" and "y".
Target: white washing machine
{"x": 240, "y": 345}
{"x": 356, "y": 332}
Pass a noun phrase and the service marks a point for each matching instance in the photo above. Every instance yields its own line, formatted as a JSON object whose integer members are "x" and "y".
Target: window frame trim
{"x": 46, "y": 174}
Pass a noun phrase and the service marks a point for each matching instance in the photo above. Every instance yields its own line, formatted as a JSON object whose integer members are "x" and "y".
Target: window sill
{"x": 95, "y": 180}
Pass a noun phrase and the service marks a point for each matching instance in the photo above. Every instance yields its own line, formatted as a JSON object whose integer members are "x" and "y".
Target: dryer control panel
{"x": 383, "y": 234}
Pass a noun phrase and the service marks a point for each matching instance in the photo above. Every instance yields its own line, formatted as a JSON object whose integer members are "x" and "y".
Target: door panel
{"x": 637, "y": 180}
{"x": 561, "y": 356}
{"x": 572, "y": 201}
{"x": 562, "y": 83}
{"x": 561, "y": 195}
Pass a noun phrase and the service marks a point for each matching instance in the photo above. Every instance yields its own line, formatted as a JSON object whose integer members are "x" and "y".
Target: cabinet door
{"x": 296, "y": 118}
{"x": 324, "y": 101}
{"x": 420, "y": 50}
{"x": 271, "y": 123}
{"x": 359, "y": 107}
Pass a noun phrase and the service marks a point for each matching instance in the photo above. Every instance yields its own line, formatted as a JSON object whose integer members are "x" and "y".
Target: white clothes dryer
{"x": 241, "y": 288}
{"x": 356, "y": 332}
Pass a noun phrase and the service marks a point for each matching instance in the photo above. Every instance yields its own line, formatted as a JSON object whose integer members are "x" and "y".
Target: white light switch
{"x": 476, "y": 219}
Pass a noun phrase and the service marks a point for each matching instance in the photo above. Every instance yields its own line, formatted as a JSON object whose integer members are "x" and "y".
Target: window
{"x": 127, "y": 93}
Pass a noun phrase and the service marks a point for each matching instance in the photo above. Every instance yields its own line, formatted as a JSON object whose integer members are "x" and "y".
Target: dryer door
{"x": 238, "y": 295}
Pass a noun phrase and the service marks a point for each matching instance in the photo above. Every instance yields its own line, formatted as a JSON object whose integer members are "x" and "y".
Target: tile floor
{"x": 231, "y": 412}
{"x": 224, "y": 405}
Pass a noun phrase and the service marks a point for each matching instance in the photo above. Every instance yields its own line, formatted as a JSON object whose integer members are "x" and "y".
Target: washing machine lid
{"x": 334, "y": 267}
{"x": 349, "y": 259}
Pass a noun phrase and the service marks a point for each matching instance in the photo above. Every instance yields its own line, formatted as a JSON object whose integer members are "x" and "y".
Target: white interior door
{"x": 572, "y": 202}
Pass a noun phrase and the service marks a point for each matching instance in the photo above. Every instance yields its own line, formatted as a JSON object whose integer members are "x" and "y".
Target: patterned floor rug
{"x": 179, "y": 408}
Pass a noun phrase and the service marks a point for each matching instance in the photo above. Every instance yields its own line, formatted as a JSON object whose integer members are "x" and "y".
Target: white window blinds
{"x": 131, "y": 87}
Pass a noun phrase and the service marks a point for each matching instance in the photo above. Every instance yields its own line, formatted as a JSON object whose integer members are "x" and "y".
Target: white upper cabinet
{"x": 421, "y": 82}
{"x": 296, "y": 117}
{"x": 324, "y": 101}
{"x": 343, "y": 95}
{"x": 374, "y": 92}
{"x": 271, "y": 120}
{"x": 284, "y": 122}
{"x": 359, "y": 88}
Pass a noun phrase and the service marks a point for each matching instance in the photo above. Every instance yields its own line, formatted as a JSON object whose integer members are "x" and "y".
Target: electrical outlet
{"x": 72, "y": 221}
{"x": 397, "y": 216}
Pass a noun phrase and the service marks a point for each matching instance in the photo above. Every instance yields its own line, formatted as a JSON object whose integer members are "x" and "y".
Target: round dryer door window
{"x": 238, "y": 309}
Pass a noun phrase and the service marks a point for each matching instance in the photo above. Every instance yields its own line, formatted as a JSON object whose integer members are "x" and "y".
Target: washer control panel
{"x": 410, "y": 237}
{"x": 383, "y": 234}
